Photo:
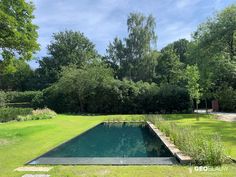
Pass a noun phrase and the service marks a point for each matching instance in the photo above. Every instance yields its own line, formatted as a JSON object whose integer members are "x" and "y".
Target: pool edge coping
{"x": 183, "y": 159}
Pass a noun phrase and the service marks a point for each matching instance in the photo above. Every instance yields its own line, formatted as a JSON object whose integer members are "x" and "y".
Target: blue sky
{"x": 102, "y": 20}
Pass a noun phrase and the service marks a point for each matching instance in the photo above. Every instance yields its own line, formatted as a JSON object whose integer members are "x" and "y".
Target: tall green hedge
{"x": 21, "y": 97}
{"x": 2, "y": 99}
{"x": 227, "y": 99}
{"x": 9, "y": 114}
{"x": 120, "y": 97}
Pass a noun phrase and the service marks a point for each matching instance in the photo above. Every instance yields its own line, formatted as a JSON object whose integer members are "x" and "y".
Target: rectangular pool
{"x": 111, "y": 143}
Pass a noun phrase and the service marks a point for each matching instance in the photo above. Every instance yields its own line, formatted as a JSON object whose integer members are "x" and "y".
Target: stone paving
{"x": 40, "y": 169}
{"x": 36, "y": 175}
{"x": 228, "y": 117}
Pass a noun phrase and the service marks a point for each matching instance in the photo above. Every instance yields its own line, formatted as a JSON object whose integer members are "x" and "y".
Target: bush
{"x": 9, "y": 114}
{"x": 227, "y": 99}
{"x": 2, "y": 99}
{"x": 205, "y": 150}
{"x": 39, "y": 114}
{"x": 173, "y": 99}
{"x": 38, "y": 101}
{"x": 19, "y": 105}
{"x": 85, "y": 91}
{"x": 141, "y": 97}
{"x": 117, "y": 96}
{"x": 21, "y": 97}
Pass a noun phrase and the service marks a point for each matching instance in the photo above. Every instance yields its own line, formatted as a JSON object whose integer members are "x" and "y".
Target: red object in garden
{"x": 215, "y": 105}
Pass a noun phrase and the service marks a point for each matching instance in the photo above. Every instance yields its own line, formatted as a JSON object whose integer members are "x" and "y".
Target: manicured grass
{"x": 23, "y": 141}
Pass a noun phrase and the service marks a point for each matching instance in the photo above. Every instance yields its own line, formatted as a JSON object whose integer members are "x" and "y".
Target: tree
{"x": 82, "y": 82}
{"x": 18, "y": 35}
{"x": 67, "y": 48}
{"x": 180, "y": 48}
{"x": 116, "y": 56}
{"x": 18, "y": 80}
{"x": 132, "y": 54}
{"x": 193, "y": 87}
{"x": 200, "y": 56}
{"x": 227, "y": 98}
{"x": 147, "y": 67}
{"x": 169, "y": 68}
{"x": 213, "y": 50}
{"x": 218, "y": 33}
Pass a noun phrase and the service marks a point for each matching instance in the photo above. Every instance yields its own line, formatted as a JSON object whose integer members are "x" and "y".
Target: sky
{"x": 102, "y": 20}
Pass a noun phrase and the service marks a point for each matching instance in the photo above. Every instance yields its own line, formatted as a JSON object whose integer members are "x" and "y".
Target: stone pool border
{"x": 183, "y": 159}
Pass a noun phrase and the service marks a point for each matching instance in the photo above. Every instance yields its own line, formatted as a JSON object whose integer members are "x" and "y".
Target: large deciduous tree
{"x": 19, "y": 80}
{"x": 80, "y": 83}
{"x": 214, "y": 51}
{"x": 169, "y": 68}
{"x": 218, "y": 33}
{"x": 132, "y": 56}
{"x": 180, "y": 48}
{"x": 66, "y": 48}
{"x": 18, "y": 35}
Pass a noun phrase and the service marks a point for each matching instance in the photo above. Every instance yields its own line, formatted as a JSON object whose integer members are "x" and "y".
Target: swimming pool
{"x": 111, "y": 143}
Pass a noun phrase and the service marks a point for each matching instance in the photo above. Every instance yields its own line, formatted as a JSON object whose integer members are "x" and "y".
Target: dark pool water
{"x": 113, "y": 140}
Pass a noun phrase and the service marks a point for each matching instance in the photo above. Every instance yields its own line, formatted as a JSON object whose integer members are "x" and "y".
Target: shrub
{"x": 21, "y": 97}
{"x": 205, "y": 150}
{"x": 173, "y": 99}
{"x": 19, "y": 105}
{"x": 2, "y": 99}
{"x": 9, "y": 114}
{"x": 227, "y": 99}
{"x": 39, "y": 114}
{"x": 38, "y": 101}
{"x": 117, "y": 96}
{"x": 83, "y": 90}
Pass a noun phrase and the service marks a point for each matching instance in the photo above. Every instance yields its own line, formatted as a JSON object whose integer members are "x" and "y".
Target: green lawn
{"x": 209, "y": 125}
{"x": 23, "y": 141}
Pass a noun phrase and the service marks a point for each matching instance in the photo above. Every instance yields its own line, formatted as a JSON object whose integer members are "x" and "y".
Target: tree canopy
{"x": 66, "y": 48}
{"x": 132, "y": 55}
{"x": 18, "y": 34}
{"x": 132, "y": 75}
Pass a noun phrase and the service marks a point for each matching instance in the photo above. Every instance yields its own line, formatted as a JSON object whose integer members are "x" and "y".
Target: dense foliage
{"x": 133, "y": 73}
{"x": 18, "y": 35}
{"x": 134, "y": 57}
{"x": 3, "y": 99}
{"x": 83, "y": 90}
{"x": 20, "y": 97}
{"x": 10, "y": 114}
{"x": 67, "y": 48}
{"x": 193, "y": 77}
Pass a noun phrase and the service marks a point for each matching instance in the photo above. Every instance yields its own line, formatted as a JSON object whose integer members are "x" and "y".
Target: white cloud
{"x": 102, "y": 20}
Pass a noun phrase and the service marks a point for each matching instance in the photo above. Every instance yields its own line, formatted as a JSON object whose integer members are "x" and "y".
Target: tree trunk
{"x": 206, "y": 106}
{"x": 196, "y": 106}
{"x": 197, "y": 110}
{"x": 81, "y": 105}
{"x": 192, "y": 105}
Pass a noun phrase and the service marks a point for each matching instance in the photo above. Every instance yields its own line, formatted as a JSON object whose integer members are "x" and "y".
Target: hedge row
{"x": 9, "y": 114}
{"x": 3, "y": 99}
{"x": 120, "y": 97}
{"x": 17, "y": 99}
{"x": 20, "y": 97}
